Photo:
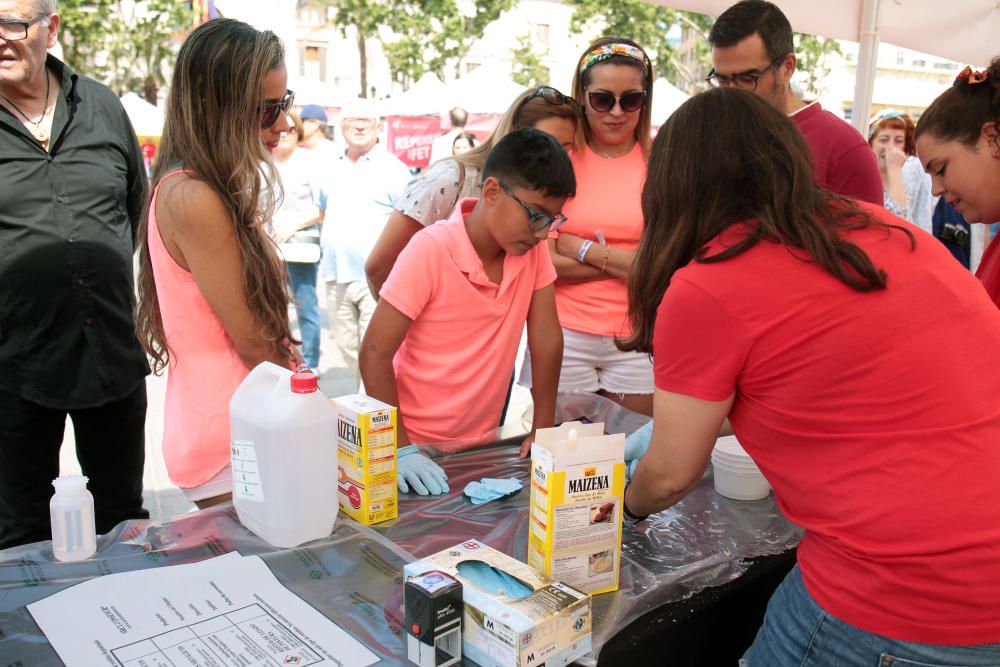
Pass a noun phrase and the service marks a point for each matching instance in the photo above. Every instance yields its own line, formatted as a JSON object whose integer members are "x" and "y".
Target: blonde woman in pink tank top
{"x": 212, "y": 299}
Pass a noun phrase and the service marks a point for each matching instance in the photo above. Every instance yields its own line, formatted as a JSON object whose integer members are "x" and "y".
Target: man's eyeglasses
{"x": 537, "y": 221}
{"x": 744, "y": 80}
{"x": 15, "y": 31}
{"x": 603, "y": 102}
{"x": 269, "y": 116}
{"x": 552, "y": 96}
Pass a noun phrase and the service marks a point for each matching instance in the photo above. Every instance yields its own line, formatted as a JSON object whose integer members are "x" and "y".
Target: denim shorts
{"x": 798, "y": 633}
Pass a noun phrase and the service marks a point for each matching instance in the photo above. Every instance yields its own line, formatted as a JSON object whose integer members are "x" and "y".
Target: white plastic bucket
{"x": 284, "y": 458}
{"x": 735, "y": 473}
{"x": 740, "y": 485}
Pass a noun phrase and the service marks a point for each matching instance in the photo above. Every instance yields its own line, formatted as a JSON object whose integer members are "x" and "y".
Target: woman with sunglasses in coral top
{"x": 212, "y": 297}
{"x": 593, "y": 250}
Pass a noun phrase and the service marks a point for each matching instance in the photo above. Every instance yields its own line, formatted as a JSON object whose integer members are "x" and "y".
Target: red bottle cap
{"x": 304, "y": 382}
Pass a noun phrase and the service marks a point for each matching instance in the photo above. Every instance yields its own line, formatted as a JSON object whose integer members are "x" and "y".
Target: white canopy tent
{"x": 961, "y": 30}
{"x": 424, "y": 98}
{"x": 147, "y": 120}
{"x": 666, "y": 99}
{"x": 486, "y": 89}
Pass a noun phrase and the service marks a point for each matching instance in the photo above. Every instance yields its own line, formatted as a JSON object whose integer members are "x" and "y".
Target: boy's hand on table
{"x": 415, "y": 470}
{"x": 526, "y": 444}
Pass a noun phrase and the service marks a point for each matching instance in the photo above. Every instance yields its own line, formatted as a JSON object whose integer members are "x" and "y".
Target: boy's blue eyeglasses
{"x": 537, "y": 221}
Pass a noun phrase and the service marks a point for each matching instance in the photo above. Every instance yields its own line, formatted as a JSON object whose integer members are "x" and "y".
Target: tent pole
{"x": 864, "y": 82}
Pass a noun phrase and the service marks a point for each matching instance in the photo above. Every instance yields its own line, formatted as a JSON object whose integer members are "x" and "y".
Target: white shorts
{"x": 591, "y": 363}
{"x": 219, "y": 485}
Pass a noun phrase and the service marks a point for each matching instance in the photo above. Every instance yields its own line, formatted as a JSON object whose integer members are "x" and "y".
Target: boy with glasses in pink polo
{"x": 446, "y": 330}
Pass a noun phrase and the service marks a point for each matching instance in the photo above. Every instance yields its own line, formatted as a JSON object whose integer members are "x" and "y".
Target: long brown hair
{"x": 212, "y": 128}
{"x": 523, "y": 112}
{"x": 582, "y": 79}
{"x": 727, "y": 157}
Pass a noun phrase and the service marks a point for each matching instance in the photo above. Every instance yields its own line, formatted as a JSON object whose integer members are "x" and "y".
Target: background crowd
{"x": 759, "y": 268}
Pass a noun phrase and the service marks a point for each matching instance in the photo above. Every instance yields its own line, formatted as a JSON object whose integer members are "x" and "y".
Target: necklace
{"x": 613, "y": 156}
{"x": 38, "y": 132}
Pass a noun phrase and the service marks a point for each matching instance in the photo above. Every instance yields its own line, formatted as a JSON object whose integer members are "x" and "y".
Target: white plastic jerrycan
{"x": 283, "y": 449}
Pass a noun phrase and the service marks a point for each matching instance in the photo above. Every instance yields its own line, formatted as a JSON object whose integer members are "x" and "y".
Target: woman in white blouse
{"x": 906, "y": 186}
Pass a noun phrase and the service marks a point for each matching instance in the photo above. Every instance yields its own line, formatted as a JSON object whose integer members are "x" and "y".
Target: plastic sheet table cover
{"x": 354, "y": 576}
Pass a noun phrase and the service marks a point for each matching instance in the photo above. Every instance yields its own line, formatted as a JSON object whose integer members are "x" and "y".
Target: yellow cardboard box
{"x": 577, "y": 486}
{"x": 366, "y": 449}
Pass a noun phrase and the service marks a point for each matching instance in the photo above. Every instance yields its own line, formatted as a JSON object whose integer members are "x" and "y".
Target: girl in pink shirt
{"x": 212, "y": 300}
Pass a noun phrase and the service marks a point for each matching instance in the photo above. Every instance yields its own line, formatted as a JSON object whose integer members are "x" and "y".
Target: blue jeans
{"x": 798, "y": 633}
{"x": 302, "y": 278}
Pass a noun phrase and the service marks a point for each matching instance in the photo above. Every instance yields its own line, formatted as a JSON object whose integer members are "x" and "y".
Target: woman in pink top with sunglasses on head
{"x": 593, "y": 251}
{"x": 212, "y": 298}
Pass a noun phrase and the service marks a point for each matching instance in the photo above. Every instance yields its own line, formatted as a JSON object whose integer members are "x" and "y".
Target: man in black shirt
{"x": 72, "y": 192}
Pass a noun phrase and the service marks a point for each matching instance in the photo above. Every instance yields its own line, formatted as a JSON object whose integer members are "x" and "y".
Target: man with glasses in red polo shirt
{"x": 72, "y": 194}
{"x": 752, "y": 49}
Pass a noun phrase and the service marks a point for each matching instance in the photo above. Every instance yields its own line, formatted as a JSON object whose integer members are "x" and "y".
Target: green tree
{"x": 460, "y": 28}
{"x": 365, "y": 17}
{"x": 812, "y": 52}
{"x": 421, "y": 36}
{"x": 85, "y": 28}
{"x": 128, "y": 46}
{"x": 527, "y": 68}
{"x": 689, "y": 62}
{"x": 642, "y": 21}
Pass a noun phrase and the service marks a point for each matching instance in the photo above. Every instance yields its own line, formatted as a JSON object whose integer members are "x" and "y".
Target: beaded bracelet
{"x": 604, "y": 263}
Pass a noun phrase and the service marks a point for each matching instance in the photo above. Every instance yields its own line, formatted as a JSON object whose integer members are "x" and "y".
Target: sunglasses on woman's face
{"x": 603, "y": 102}
{"x": 552, "y": 96}
{"x": 269, "y": 116}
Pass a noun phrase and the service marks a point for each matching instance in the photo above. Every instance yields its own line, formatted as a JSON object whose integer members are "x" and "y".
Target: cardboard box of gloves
{"x": 512, "y": 614}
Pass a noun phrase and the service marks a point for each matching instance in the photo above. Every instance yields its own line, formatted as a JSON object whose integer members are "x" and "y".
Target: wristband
{"x": 628, "y": 517}
{"x": 581, "y": 255}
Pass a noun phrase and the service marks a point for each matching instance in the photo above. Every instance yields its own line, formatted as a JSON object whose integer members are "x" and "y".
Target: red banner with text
{"x": 410, "y": 137}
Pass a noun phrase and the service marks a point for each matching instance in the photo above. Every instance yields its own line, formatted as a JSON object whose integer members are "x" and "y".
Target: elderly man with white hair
{"x": 357, "y": 194}
{"x": 72, "y": 188}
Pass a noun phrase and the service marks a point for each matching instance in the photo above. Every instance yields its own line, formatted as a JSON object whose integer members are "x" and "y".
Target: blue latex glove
{"x": 415, "y": 470}
{"x": 488, "y": 489}
{"x": 636, "y": 446}
{"x": 493, "y": 581}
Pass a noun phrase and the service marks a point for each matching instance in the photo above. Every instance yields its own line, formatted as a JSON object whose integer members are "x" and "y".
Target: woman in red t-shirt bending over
{"x": 835, "y": 339}
{"x": 958, "y": 140}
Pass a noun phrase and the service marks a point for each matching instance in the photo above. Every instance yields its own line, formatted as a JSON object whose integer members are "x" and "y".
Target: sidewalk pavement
{"x": 163, "y": 500}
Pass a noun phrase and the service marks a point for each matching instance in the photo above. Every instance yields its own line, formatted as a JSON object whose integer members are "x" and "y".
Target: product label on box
{"x": 246, "y": 474}
{"x": 366, "y": 475}
{"x": 575, "y": 519}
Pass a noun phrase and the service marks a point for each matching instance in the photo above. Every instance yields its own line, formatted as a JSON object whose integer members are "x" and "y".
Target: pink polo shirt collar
{"x": 467, "y": 259}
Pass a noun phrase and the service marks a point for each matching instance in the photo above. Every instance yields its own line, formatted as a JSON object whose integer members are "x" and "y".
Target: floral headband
{"x": 602, "y": 53}
{"x": 885, "y": 114}
{"x": 970, "y": 77}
